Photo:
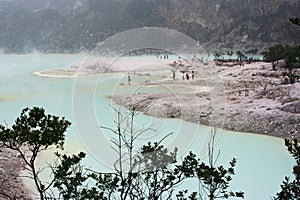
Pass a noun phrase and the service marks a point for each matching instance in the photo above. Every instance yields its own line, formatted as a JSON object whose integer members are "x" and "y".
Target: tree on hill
{"x": 240, "y": 55}
{"x": 217, "y": 55}
{"x": 274, "y": 54}
{"x": 251, "y": 54}
{"x": 289, "y": 54}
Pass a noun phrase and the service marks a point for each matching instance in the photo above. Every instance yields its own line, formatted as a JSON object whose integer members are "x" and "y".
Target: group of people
{"x": 164, "y": 56}
{"x": 185, "y": 75}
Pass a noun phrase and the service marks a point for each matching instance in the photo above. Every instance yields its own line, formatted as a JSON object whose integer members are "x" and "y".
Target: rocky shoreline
{"x": 253, "y": 100}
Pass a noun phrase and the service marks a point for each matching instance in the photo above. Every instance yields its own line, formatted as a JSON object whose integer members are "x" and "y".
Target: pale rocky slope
{"x": 270, "y": 108}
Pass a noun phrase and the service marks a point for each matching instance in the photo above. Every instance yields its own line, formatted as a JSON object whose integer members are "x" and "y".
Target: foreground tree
{"x": 214, "y": 180}
{"x": 149, "y": 172}
{"x": 291, "y": 189}
{"x": 145, "y": 173}
{"x": 32, "y": 133}
{"x": 157, "y": 171}
{"x": 71, "y": 180}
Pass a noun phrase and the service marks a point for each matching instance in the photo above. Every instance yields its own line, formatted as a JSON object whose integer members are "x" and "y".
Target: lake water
{"x": 262, "y": 161}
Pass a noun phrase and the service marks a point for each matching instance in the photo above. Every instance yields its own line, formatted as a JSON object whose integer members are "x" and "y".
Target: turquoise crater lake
{"x": 262, "y": 161}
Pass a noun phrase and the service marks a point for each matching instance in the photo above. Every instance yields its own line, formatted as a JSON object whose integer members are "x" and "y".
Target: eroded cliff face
{"x": 234, "y": 24}
{"x": 70, "y": 25}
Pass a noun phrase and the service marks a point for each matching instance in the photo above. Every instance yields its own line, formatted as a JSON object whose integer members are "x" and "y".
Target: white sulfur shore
{"x": 108, "y": 65}
{"x": 248, "y": 98}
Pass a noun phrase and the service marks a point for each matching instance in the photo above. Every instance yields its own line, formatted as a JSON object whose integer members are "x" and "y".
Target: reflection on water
{"x": 262, "y": 160}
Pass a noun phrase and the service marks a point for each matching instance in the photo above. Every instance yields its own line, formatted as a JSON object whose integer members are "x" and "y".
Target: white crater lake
{"x": 262, "y": 161}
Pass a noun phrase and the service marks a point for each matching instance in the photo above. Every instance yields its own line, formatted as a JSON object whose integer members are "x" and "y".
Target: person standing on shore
{"x": 129, "y": 80}
{"x": 174, "y": 75}
{"x": 187, "y": 76}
